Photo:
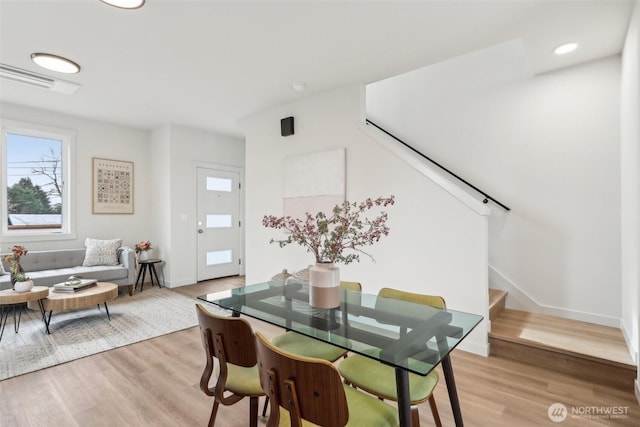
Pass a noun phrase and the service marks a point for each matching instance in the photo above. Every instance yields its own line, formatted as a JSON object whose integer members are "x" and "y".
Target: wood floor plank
{"x": 154, "y": 383}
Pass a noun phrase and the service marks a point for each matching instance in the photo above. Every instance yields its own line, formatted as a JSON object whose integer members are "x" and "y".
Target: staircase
{"x": 584, "y": 350}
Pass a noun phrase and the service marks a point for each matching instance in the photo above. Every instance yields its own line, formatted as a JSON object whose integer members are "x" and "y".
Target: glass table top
{"x": 406, "y": 335}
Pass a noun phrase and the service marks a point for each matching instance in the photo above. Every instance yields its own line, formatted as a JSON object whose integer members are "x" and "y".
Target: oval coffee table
{"x": 95, "y": 295}
{"x": 12, "y": 299}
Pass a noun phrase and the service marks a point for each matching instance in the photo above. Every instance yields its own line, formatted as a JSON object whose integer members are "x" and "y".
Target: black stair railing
{"x": 487, "y": 197}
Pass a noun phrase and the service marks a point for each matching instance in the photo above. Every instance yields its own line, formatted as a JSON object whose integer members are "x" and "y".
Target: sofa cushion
{"x": 101, "y": 252}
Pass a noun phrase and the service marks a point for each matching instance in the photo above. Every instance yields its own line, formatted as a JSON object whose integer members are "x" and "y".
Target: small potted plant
{"x": 23, "y": 282}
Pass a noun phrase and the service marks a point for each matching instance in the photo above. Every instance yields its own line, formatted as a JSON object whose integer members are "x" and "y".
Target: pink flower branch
{"x": 328, "y": 237}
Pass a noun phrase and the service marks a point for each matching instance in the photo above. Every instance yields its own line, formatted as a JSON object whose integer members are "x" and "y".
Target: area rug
{"x": 80, "y": 333}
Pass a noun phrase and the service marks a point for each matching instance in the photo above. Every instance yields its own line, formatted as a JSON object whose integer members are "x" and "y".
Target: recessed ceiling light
{"x": 299, "y": 86}
{"x": 125, "y": 4}
{"x": 565, "y": 48}
{"x": 55, "y": 63}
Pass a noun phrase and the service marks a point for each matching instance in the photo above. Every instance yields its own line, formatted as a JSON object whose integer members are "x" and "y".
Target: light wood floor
{"x": 592, "y": 341}
{"x": 155, "y": 383}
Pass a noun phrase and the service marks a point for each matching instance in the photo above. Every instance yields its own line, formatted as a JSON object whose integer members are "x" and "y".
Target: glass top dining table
{"x": 410, "y": 337}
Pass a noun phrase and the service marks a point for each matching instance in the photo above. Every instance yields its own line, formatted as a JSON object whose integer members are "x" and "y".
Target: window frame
{"x": 68, "y": 139}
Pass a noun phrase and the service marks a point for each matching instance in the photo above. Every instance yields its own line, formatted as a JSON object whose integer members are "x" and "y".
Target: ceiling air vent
{"x": 38, "y": 80}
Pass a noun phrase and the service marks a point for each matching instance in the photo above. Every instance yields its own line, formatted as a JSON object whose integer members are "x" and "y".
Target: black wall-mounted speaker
{"x": 286, "y": 126}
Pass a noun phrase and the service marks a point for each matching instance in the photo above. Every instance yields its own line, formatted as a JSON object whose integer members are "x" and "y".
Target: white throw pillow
{"x": 2, "y": 272}
{"x": 101, "y": 252}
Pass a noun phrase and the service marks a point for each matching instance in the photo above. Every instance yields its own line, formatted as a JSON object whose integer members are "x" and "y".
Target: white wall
{"x": 104, "y": 140}
{"x": 547, "y": 146}
{"x": 630, "y": 188}
{"x": 179, "y": 150}
{"x": 436, "y": 245}
{"x": 160, "y": 188}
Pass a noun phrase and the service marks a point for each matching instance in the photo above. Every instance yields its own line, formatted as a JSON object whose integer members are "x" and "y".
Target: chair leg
{"x": 214, "y": 412}
{"x": 415, "y": 416}
{"x": 266, "y": 405}
{"x": 434, "y": 411}
{"x": 253, "y": 411}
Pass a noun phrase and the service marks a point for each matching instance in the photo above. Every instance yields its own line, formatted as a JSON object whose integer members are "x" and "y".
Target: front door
{"x": 219, "y": 236}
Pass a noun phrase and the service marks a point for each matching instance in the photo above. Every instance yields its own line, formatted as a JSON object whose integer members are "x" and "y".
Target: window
{"x": 219, "y": 184}
{"x": 36, "y": 200}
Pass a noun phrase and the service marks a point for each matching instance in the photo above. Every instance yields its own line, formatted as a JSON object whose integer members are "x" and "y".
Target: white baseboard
{"x": 177, "y": 284}
{"x": 518, "y": 299}
{"x": 631, "y": 345}
{"x": 480, "y": 350}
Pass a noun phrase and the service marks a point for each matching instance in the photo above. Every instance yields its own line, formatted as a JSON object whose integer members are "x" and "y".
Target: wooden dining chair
{"x": 303, "y": 345}
{"x": 379, "y": 379}
{"x": 305, "y": 390}
{"x": 230, "y": 340}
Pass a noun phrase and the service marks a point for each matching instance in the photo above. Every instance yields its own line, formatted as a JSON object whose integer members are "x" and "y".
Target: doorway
{"x": 219, "y": 224}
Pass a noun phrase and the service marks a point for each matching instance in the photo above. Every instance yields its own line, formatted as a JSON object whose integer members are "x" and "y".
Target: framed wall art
{"x": 112, "y": 186}
{"x": 314, "y": 182}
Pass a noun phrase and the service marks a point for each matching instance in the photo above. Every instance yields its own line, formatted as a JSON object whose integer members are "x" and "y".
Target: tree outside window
{"x": 34, "y": 172}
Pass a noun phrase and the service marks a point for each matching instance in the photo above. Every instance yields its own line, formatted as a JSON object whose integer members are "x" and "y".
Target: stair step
{"x": 589, "y": 351}
{"x": 497, "y": 300}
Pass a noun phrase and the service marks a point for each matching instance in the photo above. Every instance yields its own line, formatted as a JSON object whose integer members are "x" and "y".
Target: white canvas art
{"x": 314, "y": 182}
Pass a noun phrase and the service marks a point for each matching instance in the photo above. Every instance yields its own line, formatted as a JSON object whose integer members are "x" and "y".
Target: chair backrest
{"x": 430, "y": 300}
{"x": 228, "y": 339}
{"x": 232, "y": 338}
{"x": 350, "y": 286}
{"x": 309, "y": 389}
{"x": 395, "y": 294}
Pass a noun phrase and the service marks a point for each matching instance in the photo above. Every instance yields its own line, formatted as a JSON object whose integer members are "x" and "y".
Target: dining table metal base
{"x": 404, "y": 397}
{"x": 447, "y": 369}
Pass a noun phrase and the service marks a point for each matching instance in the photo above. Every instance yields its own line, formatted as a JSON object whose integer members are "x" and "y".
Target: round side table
{"x": 148, "y": 264}
{"x": 10, "y": 300}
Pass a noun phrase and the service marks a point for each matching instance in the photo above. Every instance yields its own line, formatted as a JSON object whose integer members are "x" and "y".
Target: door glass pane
{"x": 219, "y": 257}
{"x": 219, "y": 221}
{"x": 218, "y": 184}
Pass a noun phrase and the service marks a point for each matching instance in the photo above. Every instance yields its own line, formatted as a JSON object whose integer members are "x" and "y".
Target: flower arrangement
{"x": 143, "y": 246}
{"x": 13, "y": 259}
{"x": 327, "y": 237}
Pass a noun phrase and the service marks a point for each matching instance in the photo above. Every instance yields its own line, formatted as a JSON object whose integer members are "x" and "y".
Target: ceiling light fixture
{"x": 299, "y": 86}
{"x": 30, "y": 78}
{"x": 55, "y": 63}
{"x": 565, "y": 48}
{"x": 125, "y": 4}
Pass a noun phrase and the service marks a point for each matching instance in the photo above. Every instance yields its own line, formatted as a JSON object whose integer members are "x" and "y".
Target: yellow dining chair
{"x": 379, "y": 379}
{"x": 304, "y": 391}
{"x": 230, "y": 340}
{"x": 302, "y": 345}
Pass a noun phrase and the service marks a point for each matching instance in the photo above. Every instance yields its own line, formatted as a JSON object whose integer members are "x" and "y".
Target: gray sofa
{"x": 47, "y": 268}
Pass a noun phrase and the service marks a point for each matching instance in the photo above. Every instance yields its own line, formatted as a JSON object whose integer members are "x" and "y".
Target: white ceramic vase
{"x": 143, "y": 255}
{"x": 25, "y": 286}
{"x": 324, "y": 285}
